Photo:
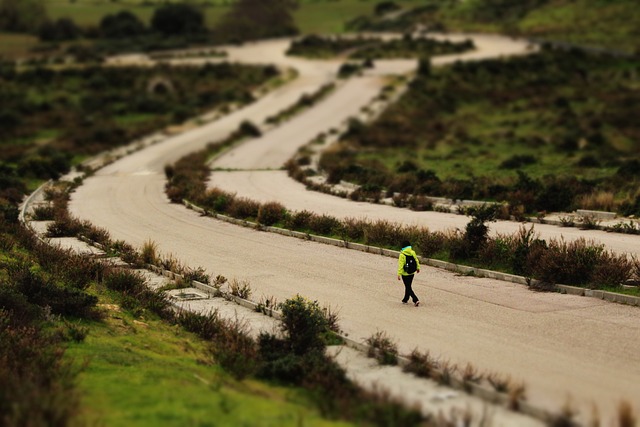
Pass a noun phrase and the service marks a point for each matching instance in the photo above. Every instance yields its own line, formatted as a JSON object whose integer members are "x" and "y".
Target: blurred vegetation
{"x": 314, "y": 46}
{"x": 612, "y": 25}
{"x": 582, "y": 263}
{"x": 50, "y": 119}
{"x": 541, "y": 132}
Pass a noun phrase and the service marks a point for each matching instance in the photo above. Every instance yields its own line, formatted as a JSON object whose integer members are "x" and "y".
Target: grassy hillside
{"x": 599, "y": 23}
{"x": 606, "y": 24}
{"x": 76, "y": 352}
{"x": 144, "y": 372}
{"x": 546, "y": 132}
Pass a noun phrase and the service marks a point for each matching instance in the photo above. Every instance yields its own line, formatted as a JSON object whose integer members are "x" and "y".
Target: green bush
{"x": 43, "y": 292}
{"x": 235, "y": 350}
{"x": 123, "y": 280}
{"x": 304, "y": 324}
{"x": 207, "y": 326}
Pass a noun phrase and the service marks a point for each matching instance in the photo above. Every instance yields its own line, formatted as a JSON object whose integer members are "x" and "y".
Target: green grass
{"x": 133, "y": 119}
{"x": 147, "y": 373}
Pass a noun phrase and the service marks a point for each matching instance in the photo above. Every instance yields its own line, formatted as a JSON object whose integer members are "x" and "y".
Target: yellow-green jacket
{"x": 402, "y": 259}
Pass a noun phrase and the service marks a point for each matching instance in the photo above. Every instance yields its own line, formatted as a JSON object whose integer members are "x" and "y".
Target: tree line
{"x": 246, "y": 20}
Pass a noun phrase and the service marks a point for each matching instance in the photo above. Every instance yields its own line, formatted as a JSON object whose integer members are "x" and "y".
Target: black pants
{"x": 408, "y": 292}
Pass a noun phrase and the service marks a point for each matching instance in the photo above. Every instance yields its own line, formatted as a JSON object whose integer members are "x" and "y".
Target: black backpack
{"x": 410, "y": 265}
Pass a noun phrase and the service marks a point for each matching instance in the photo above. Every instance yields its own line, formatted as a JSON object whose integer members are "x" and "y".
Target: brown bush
{"x": 243, "y": 208}
{"x": 580, "y": 262}
{"x": 271, "y": 213}
{"x": 354, "y": 229}
{"x": 299, "y": 220}
{"x": 429, "y": 243}
{"x": 324, "y": 224}
{"x": 612, "y": 270}
{"x": 383, "y": 232}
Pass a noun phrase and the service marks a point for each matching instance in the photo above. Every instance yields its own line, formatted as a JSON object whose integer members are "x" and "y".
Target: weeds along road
{"x": 564, "y": 348}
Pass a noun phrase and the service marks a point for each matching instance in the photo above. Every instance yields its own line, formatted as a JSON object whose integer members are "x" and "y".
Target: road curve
{"x": 563, "y": 347}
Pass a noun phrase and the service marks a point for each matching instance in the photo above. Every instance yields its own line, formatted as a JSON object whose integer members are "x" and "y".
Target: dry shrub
{"x": 580, "y": 262}
{"x": 383, "y": 232}
{"x": 240, "y": 288}
{"x": 445, "y": 373}
{"x": 430, "y": 243}
{"x": 65, "y": 226}
{"x": 127, "y": 253}
{"x": 324, "y": 224}
{"x": 149, "y": 253}
{"x": 601, "y": 200}
{"x": 173, "y": 264}
{"x": 271, "y": 213}
{"x": 570, "y": 263}
{"x": 420, "y": 364}
{"x": 420, "y": 203}
{"x": 470, "y": 374}
{"x": 217, "y": 199}
{"x": 43, "y": 213}
{"x": 354, "y": 229}
{"x": 97, "y": 234}
{"x": 495, "y": 252}
{"x": 612, "y": 270}
{"x": 499, "y": 383}
{"x": 635, "y": 268}
{"x": 517, "y": 393}
{"x": 299, "y": 220}
{"x": 243, "y": 208}
{"x": 382, "y": 348}
{"x": 174, "y": 193}
{"x": 196, "y": 274}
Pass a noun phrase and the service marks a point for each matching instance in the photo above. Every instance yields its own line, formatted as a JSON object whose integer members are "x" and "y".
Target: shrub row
{"x": 582, "y": 262}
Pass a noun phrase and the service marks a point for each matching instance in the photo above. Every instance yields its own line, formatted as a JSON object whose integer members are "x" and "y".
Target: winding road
{"x": 566, "y": 349}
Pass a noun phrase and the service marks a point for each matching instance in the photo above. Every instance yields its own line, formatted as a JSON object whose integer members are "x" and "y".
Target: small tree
{"x": 304, "y": 323}
{"x": 476, "y": 231}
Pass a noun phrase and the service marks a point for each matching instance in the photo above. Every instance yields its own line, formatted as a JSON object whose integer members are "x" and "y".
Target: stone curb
{"x": 458, "y": 268}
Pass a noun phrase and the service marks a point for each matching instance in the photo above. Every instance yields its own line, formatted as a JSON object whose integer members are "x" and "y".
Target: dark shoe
{"x": 417, "y": 303}
{"x": 404, "y": 302}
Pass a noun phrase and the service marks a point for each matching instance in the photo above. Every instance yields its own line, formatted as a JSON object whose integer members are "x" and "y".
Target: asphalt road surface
{"x": 566, "y": 349}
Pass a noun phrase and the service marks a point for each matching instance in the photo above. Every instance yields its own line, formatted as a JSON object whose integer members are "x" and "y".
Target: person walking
{"x": 408, "y": 265}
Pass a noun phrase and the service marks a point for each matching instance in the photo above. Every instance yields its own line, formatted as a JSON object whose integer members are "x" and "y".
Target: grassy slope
{"x": 612, "y": 24}
{"x": 147, "y": 373}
